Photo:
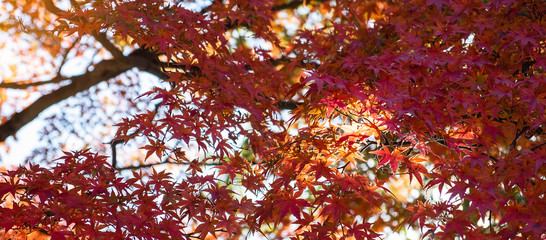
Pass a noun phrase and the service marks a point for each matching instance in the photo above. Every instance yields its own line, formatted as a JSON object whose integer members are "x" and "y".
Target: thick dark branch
{"x": 291, "y": 5}
{"x": 288, "y": 105}
{"x": 103, "y": 71}
{"x": 294, "y": 5}
{"x": 50, "y": 6}
{"x": 146, "y": 61}
{"x": 18, "y": 85}
{"x": 101, "y": 37}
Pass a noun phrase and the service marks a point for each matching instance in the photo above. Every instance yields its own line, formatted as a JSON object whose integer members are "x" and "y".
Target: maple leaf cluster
{"x": 310, "y": 134}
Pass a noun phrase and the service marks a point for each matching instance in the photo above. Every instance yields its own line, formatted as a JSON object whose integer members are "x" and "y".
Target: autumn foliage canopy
{"x": 276, "y": 119}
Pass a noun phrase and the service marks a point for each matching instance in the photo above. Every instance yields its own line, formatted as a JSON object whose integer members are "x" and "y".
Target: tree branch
{"x": 103, "y": 71}
{"x": 291, "y": 5}
{"x": 538, "y": 146}
{"x": 294, "y": 4}
{"x": 18, "y": 85}
{"x": 101, "y": 37}
{"x": 50, "y": 6}
{"x": 143, "y": 166}
{"x": 518, "y": 134}
{"x": 286, "y": 105}
{"x": 65, "y": 55}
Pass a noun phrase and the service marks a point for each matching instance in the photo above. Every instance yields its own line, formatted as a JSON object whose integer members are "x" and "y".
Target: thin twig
{"x": 518, "y": 134}
{"x": 537, "y": 146}
{"x": 115, "y": 142}
{"x": 65, "y": 55}
{"x": 144, "y": 166}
